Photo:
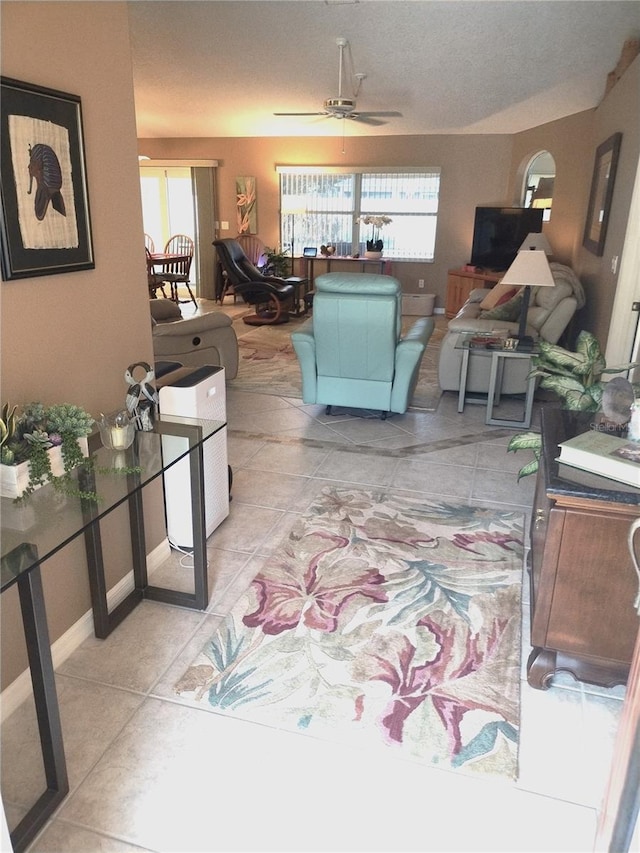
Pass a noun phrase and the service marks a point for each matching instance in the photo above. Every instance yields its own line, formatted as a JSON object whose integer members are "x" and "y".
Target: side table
{"x": 498, "y": 357}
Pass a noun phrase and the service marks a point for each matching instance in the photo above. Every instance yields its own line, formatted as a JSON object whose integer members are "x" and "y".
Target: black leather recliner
{"x": 272, "y": 297}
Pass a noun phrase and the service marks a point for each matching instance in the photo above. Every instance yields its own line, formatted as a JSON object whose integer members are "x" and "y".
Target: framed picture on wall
{"x": 604, "y": 175}
{"x": 45, "y": 225}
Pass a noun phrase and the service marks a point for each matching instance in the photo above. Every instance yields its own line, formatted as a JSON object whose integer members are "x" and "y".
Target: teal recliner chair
{"x": 351, "y": 352}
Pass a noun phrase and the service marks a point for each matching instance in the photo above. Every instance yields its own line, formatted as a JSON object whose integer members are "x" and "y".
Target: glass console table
{"x": 482, "y": 346}
{"x": 41, "y": 527}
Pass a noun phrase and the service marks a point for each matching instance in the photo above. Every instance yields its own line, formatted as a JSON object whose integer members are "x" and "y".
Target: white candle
{"x": 118, "y": 436}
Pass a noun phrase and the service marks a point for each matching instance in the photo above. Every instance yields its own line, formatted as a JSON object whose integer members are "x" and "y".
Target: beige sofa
{"x": 193, "y": 341}
{"x": 550, "y": 311}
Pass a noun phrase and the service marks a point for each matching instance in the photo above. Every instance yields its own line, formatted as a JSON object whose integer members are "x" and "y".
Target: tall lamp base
{"x": 525, "y": 342}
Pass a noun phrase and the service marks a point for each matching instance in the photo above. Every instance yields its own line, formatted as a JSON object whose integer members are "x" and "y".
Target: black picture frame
{"x": 604, "y": 175}
{"x": 45, "y": 224}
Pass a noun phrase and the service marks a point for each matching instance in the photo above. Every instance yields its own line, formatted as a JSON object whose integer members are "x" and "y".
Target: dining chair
{"x": 176, "y": 272}
{"x": 149, "y": 244}
{"x": 154, "y": 279}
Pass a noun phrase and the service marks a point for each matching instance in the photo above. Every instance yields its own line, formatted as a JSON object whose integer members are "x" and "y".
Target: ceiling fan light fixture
{"x": 340, "y": 105}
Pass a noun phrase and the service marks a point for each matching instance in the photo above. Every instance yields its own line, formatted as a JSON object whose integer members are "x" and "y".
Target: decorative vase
{"x": 372, "y": 255}
{"x": 15, "y": 478}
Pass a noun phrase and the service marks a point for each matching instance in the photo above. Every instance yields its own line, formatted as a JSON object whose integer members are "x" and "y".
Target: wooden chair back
{"x": 254, "y": 249}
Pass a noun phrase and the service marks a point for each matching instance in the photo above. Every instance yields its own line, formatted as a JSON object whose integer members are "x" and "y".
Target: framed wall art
{"x": 604, "y": 175}
{"x": 45, "y": 225}
{"x": 246, "y": 210}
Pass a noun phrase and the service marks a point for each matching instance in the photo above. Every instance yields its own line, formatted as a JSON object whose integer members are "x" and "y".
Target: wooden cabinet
{"x": 583, "y": 583}
{"x": 460, "y": 283}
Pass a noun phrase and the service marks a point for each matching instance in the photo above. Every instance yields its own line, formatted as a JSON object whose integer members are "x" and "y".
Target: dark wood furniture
{"x": 583, "y": 583}
{"x": 341, "y": 264}
{"x": 461, "y": 282}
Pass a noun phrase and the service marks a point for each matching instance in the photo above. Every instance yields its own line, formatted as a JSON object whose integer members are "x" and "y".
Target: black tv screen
{"x": 498, "y": 233}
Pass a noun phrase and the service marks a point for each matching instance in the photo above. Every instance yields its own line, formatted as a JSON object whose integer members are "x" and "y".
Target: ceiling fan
{"x": 344, "y": 107}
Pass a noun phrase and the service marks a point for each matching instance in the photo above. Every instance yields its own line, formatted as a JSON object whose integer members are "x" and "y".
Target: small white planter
{"x": 14, "y": 478}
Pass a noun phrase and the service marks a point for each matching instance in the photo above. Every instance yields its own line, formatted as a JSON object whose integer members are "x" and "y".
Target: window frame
{"x": 361, "y": 207}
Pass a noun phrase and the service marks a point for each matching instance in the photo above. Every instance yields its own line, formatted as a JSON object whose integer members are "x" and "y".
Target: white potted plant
{"x": 375, "y": 244}
{"x": 42, "y": 445}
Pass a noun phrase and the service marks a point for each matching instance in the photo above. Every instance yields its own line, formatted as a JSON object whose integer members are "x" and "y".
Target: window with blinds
{"x": 325, "y": 206}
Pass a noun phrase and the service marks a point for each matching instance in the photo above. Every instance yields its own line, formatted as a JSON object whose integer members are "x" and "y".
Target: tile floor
{"x": 148, "y": 773}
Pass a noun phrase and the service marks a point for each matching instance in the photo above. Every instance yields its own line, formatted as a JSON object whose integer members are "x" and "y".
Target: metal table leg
{"x": 36, "y": 633}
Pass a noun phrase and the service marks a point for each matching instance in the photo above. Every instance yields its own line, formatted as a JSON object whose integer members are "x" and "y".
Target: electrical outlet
{"x": 224, "y": 225}
{"x": 420, "y": 282}
{"x": 614, "y": 264}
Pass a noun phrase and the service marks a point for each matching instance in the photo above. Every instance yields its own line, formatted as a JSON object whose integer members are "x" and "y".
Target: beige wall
{"x": 619, "y": 112}
{"x": 69, "y": 337}
{"x": 573, "y": 142}
{"x": 475, "y": 171}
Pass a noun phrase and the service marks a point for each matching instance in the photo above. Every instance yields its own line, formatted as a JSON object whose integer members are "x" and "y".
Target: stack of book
{"x": 604, "y": 454}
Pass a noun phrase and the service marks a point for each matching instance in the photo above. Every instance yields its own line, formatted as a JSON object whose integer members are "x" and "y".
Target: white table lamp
{"x": 537, "y": 240}
{"x": 529, "y": 269}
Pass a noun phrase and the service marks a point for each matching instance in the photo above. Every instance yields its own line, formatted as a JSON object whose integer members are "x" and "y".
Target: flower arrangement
{"x": 375, "y": 244}
{"x": 28, "y": 437}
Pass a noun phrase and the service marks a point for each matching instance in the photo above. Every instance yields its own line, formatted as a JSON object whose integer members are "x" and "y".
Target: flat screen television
{"x": 498, "y": 233}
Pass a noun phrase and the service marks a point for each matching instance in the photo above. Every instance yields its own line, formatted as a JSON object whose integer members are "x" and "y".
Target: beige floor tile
{"x": 369, "y": 468}
{"x": 559, "y": 755}
{"x": 159, "y": 782}
{"x": 246, "y": 526}
{"x": 295, "y": 457}
{"x": 59, "y": 836}
{"x": 268, "y": 488}
{"x": 433, "y": 478}
{"x": 138, "y": 650}
{"x": 91, "y": 716}
{"x": 503, "y": 486}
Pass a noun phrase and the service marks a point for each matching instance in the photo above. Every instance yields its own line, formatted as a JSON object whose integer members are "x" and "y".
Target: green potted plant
{"x": 576, "y": 378}
{"x": 277, "y": 262}
{"x": 42, "y": 445}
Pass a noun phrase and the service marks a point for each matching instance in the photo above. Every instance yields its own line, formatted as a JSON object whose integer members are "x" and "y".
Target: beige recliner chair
{"x": 193, "y": 341}
{"x": 550, "y": 311}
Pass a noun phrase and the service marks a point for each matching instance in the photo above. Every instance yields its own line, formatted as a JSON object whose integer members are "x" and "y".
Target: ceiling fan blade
{"x": 318, "y": 113}
{"x": 363, "y": 118}
{"x": 385, "y": 113}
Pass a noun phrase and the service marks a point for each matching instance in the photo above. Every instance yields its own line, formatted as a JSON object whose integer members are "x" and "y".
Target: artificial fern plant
{"x": 576, "y": 377}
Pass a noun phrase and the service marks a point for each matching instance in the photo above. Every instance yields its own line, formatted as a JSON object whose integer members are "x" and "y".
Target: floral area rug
{"x": 385, "y": 622}
{"x": 268, "y": 363}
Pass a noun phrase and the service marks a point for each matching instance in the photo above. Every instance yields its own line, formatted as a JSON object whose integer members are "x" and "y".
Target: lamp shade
{"x": 529, "y": 268}
{"x": 536, "y": 240}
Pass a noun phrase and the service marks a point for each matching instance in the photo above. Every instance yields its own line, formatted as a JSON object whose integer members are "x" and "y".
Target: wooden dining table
{"x": 164, "y": 261}
{"x": 160, "y": 264}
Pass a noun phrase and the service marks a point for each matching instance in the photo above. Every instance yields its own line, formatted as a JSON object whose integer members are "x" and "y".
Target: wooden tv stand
{"x": 461, "y": 282}
{"x": 583, "y": 583}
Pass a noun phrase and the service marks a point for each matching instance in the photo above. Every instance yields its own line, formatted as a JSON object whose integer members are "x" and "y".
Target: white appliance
{"x": 195, "y": 393}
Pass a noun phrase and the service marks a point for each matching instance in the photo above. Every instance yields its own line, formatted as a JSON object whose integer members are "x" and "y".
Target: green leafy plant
{"x": 576, "y": 378}
{"x": 7, "y": 432}
{"x": 278, "y": 262}
{"x": 28, "y": 436}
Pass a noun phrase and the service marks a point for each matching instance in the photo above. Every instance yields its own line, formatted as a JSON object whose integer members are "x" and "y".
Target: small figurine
{"x": 142, "y": 398}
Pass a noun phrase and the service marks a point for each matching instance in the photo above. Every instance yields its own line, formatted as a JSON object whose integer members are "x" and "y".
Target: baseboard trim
{"x": 20, "y": 689}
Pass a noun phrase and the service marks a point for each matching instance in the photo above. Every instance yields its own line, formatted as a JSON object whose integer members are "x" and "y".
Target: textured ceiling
{"x": 211, "y": 68}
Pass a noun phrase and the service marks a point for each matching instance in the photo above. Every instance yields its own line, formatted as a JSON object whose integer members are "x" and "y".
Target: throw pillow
{"x": 506, "y": 296}
{"x": 507, "y": 311}
{"x": 496, "y": 293}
